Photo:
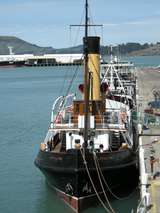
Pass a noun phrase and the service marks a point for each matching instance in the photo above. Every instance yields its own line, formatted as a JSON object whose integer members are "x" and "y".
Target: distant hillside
{"x": 153, "y": 49}
{"x": 128, "y": 49}
{"x": 124, "y": 49}
{"x": 22, "y": 47}
{"x": 76, "y": 49}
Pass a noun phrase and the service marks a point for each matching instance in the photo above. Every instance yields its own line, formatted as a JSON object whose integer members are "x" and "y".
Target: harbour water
{"x": 26, "y": 97}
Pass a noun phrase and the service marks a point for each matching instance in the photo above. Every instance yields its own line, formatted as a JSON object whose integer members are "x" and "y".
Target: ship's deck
{"x": 71, "y": 128}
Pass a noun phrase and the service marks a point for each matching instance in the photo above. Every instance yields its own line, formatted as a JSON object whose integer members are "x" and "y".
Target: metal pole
{"x": 86, "y": 78}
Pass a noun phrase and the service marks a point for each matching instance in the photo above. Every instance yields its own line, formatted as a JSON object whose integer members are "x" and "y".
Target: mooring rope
{"x": 85, "y": 163}
{"x": 114, "y": 195}
{"x": 95, "y": 161}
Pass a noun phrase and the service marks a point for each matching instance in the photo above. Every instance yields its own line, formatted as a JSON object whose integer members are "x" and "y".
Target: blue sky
{"x": 46, "y": 22}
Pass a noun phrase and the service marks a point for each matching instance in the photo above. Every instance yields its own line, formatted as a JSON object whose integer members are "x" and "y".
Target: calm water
{"x": 26, "y": 97}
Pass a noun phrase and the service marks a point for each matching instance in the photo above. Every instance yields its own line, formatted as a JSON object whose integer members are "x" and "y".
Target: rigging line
{"x": 98, "y": 76}
{"x": 102, "y": 36}
{"x": 94, "y": 156}
{"x": 63, "y": 85}
{"x": 74, "y": 76}
{"x": 67, "y": 92}
{"x": 70, "y": 84}
{"x": 100, "y": 200}
{"x": 119, "y": 79}
{"x": 71, "y": 81}
{"x": 78, "y": 30}
{"x": 110, "y": 91}
{"x": 74, "y": 43}
{"x": 114, "y": 195}
{"x": 92, "y": 22}
{"x": 66, "y": 71}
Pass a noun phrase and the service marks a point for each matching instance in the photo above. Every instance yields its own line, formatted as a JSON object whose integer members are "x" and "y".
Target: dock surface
{"x": 148, "y": 80}
{"x": 149, "y": 144}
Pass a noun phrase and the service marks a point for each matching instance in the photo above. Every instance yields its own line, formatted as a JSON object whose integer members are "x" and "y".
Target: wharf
{"x": 53, "y": 64}
{"x": 149, "y": 156}
{"x": 41, "y": 60}
{"x": 149, "y": 145}
{"x": 148, "y": 80}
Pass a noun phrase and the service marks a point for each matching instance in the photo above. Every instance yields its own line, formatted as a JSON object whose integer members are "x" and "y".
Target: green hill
{"x": 153, "y": 49}
{"x": 21, "y": 47}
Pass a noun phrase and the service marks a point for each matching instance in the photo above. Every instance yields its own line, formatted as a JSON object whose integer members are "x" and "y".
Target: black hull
{"x": 66, "y": 173}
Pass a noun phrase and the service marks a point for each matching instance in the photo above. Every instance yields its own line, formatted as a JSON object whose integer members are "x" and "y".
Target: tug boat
{"x": 90, "y": 147}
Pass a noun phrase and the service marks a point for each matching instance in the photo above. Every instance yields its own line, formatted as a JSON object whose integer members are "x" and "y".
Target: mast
{"x": 86, "y": 78}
